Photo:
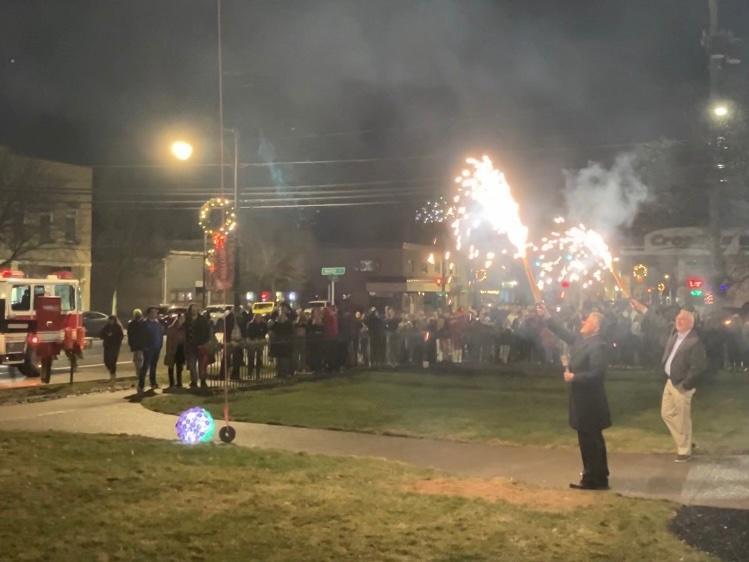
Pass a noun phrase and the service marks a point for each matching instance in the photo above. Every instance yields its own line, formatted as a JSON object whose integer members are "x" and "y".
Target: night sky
{"x": 544, "y": 83}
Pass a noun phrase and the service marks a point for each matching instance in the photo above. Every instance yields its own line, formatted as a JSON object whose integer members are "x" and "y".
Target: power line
{"x": 384, "y": 202}
{"x": 197, "y": 203}
{"x": 528, "y": 150}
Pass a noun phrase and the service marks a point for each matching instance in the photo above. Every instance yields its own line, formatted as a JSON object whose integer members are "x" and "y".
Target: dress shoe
{"x": 590, "y": 485}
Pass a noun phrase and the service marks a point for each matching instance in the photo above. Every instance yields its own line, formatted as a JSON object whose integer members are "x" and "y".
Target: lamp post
{"x": 182, "y": 150}
{"x": 720, "y": 114}
{"x": 237, "y": 276}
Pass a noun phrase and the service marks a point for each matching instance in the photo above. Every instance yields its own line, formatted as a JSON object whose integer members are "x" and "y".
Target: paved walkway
{"x": 712, "y": 481}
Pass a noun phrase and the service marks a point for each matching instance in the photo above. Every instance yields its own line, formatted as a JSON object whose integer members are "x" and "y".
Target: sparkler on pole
{"x": 485, "y": 198}
{"x": 577, "y": 254}
{"x": 531, "y": 281}
{"x": 620, "y": 283}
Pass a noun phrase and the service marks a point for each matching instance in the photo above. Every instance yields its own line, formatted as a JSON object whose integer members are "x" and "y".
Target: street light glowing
{"x": 720, "y": 110}
{"x": 181, "y": 150}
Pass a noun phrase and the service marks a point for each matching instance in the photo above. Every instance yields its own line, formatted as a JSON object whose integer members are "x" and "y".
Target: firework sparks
{"x": 485, "y": 198}
{"x": 579, "y": 254}
{"x": 435, "y": 211}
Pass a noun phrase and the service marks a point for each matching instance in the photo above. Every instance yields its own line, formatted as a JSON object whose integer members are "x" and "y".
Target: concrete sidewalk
{"x": 709, "y": 481}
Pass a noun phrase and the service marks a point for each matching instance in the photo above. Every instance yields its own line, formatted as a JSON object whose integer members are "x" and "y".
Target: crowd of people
{"x": 330, "y": 338}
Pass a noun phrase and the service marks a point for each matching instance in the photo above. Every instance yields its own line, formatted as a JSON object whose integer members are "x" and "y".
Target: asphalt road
{"x": 89, "y": 369}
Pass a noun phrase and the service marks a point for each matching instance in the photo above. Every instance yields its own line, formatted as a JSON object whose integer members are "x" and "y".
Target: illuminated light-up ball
{"x": 195, "y": 425}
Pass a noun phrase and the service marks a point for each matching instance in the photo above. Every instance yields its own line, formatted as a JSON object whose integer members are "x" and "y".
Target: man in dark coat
{"x": 256, "y": 331}
{"x": 585, "y": 369}
{"x": 154, "y": 339}
{"x": 197, "y": 338}
{"x": 136, "y": 338}
{"x": 111, "y": 335}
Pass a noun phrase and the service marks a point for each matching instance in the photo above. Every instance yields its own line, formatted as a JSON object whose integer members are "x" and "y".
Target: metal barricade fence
{"x": 249, "y": 362}
{"x": 246, "y": 362}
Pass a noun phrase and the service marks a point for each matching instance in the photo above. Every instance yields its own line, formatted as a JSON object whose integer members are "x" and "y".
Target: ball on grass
{"x": 195, "y": 425}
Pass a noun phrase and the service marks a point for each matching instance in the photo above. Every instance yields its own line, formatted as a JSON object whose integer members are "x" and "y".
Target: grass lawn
{"x": 106, "y": 498}
{"x": 503, "y": 408}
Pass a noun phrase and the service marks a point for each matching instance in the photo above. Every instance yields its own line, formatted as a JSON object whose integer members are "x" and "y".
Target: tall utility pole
{"x": 722, "y": 49}
{"x": 717, "y": 140}
{"x": 237, "y": 299}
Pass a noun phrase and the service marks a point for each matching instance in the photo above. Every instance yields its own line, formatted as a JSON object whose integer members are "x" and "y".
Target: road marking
{"x": 67, "y": 369}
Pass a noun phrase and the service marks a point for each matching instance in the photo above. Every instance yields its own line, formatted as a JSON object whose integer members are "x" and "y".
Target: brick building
{"x": 45, "y": 218}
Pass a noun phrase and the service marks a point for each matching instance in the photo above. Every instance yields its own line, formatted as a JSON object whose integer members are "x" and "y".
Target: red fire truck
{"x": 39, "y": 318}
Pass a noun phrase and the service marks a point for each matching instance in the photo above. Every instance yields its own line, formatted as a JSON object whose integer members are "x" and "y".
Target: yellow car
{"x": 263, "y": 308}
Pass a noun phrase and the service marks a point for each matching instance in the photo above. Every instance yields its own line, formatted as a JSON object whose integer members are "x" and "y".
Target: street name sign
{"x": 337, "y": 271}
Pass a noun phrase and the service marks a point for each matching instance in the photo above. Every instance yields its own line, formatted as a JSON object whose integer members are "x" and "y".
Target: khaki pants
{"x": 676, "y": 411}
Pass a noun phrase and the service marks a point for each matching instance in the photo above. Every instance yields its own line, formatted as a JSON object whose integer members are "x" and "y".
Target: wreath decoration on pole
{"x": 206, "y": 215}
{"x": 216, "y": 231}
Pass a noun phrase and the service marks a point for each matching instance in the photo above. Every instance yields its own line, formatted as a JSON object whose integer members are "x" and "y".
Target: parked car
{"x": 263, "y": 308}
{"x": 168, "y": 312}
{"x": 314, "y": 304}
{"x": 93, "y": 322}
{"x": 216, "y": 312}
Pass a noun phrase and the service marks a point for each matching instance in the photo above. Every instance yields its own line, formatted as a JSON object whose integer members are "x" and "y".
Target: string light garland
{"x": 206, "y": 213}
{"x": 640, "y": 272}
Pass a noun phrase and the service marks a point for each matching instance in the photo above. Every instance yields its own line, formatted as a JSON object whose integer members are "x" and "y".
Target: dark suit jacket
{"x": 690, "y": 360}
{"x": 589, "y": 357}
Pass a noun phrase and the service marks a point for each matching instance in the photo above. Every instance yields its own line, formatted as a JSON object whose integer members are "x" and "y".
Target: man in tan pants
{"x": 683, "y": 362}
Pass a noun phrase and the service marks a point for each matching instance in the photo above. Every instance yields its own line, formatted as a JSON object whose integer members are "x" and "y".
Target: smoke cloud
{"x": 602, "y": 198}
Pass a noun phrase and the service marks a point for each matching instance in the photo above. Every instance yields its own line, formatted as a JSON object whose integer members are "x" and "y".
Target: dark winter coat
{"x": 137, "y": 336}
{"x": 154, "y": 335}
{"x": 588, "y": 360}
{"x": 256, "y": 330}
{"x": 280, "y": 338}
{"x": 111, "y": 335}
{"x": 197, "y": 332}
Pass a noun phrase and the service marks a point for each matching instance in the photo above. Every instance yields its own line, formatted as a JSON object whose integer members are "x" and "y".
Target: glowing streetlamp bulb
{"x": 181, "y": 150}
{"x": 720, "y": 110}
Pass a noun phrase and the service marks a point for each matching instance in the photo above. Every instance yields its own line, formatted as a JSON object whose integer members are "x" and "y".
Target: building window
{"x": 425, "y": 267}
{"x": 20, "y": 297}
{"x": 67, "y": 297}
{"x": 411, "y": 267}
{"x": 71, "y": 224}
{"x": 45, "y": 228}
